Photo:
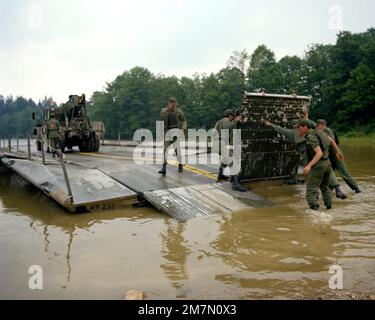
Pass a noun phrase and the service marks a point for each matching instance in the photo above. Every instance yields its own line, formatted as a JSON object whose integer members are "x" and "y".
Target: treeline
{"x": 340, "y": 78}
{"x": 16, "y": 115}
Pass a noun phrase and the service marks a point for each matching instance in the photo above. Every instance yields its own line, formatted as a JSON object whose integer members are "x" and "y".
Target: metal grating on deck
{"x": 265, "y": 153}
{"x": 203, "y": 200}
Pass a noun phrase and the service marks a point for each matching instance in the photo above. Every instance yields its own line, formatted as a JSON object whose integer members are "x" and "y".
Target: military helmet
{"x": 172, "y": 100}
{"x": 312, "y": 124}
{"x": 322, "y": 121}
{"x": 305, "y": 123}
{"x": 228, "y": 112}
{"x": 295, "y": 123}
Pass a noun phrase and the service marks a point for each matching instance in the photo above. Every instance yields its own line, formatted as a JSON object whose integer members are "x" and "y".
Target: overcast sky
{"x": 63, "y": 47}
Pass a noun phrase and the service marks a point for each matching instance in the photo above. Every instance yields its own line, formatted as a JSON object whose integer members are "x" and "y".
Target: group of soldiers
{"x": 321, "y": 156}
{"x": 174, "y": 118}
{"x": 317, "y": 144}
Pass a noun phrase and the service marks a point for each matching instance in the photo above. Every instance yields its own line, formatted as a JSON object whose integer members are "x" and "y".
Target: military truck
{"x": 76, "y": 128}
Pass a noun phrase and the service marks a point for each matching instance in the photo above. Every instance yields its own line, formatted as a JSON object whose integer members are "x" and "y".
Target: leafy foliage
{"x": 16, "y": 116}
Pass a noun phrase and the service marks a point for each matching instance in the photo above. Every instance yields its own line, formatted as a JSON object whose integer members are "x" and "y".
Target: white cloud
{"x": 62, "y": 47}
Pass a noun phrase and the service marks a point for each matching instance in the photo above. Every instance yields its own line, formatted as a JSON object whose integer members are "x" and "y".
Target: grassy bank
{"x": 358, "y": 137}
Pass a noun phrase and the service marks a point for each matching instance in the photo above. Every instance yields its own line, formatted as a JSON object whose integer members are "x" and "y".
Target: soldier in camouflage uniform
{"x": 293, "y": 136}
{"x": 229, "y": 122}
{"x": 53, "y": 134}
{"x": 173, "y": 118}
{"x": 318, "y": 169}
{"x": 338, "y": 164}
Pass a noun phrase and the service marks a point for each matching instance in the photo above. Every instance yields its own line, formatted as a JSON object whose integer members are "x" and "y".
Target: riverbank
{"x": 358, "y": 138}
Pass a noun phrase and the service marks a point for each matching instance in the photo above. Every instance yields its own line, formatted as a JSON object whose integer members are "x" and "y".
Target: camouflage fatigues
{"x": 173, "y": 120}
{"x": 340, "y": 165}
{"x": 224, "y": 124}
{"x": 320, "y": 173}
{"x": 293, "y": 136}
{"x": 53, "y": 134}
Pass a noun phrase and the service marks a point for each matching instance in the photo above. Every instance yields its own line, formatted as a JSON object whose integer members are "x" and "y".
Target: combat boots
{"x": 180, "y": 168}
{"x": 163, "y": 170}
{"x": 221, "y": 176}
{"x": 236, "y": 186}
{"x": 340, "y": 194}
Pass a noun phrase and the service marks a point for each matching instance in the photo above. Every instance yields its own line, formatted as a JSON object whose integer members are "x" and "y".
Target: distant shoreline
{"x": 358, "y": 138}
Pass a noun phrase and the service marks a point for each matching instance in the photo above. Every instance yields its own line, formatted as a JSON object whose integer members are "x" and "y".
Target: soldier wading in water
{"x": 318, "y": 168}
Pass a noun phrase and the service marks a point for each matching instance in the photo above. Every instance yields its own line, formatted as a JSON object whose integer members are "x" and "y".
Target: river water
{"x": 283, "y": 252}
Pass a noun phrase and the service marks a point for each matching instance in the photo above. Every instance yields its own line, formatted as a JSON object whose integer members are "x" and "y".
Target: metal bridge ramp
{"x": 203, "y": 200}
{"x": 90, "y": 187}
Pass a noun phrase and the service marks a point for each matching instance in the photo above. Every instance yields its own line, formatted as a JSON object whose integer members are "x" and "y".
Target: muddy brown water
{"x": 284, "y": 252}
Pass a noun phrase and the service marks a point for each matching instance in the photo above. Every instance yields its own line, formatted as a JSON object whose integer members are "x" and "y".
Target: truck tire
{"x": 97, "y": 143}
{"x": 83, "y": 145}
{"x": 62, "y": 146}
{"x": 39, "y": 146}
{"x": 91, "y": 143}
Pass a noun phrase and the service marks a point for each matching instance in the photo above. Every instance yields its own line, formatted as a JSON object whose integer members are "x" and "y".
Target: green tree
{"x": 292, "y": 74}
{"x": 264, "y": 72}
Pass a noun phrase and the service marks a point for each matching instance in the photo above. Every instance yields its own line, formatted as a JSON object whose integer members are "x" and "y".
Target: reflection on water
{"x": 280, "y": 252}
{"x": 175, "y": 252}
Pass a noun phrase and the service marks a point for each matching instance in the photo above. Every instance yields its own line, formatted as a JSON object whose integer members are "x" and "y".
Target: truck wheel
{"x": 62, "y": 146}
{"x": 91, "y": 143}
{"x": 83, "y": 145}
{"x": 97, "y": 144}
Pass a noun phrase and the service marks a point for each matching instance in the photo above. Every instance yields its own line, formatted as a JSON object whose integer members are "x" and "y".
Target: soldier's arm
{"x": 313, "y": 142}
{"x": 218, "y": 125}
{"x": 287, "y": 133}
{"x": 339, "y": 153}
{"x": 183, "y": 120}
{"x": 317, "y": 157}
{"x": 233, "y": 124}
{"x": 162, "y": 115}
{"x": 314, "y": 161}
{"x": 226, "y": 124}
